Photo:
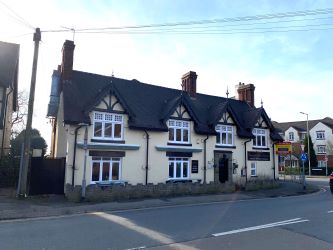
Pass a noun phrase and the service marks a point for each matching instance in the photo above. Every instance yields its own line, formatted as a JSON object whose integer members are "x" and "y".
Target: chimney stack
{"x": 246, "y": 93}
{"x": 67, "y": 60}
{"x": 189, "y": 83}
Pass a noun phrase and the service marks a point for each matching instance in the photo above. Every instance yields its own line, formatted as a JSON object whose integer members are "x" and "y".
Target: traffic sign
{"x": 304, "y": 157}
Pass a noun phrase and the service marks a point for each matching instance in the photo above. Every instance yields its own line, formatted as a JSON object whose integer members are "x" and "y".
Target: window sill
{"x": 108, "y": 141}
{"x": 259, "y": 148}
{"x": 224, "y": 146}
{"x": 179, "y": 144}
{"x": 254, "y": 176}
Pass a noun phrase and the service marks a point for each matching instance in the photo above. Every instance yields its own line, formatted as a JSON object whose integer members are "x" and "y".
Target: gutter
{"x": 147, "y": 155}
{"x": 245, "y": 159}
{"x": 4, "y": 122}
{"x": 205, "y": 165}
{"x": 74, "y": 153}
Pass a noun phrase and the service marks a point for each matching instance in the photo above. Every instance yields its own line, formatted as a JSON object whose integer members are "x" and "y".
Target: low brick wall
{"x": 127, "y": 192}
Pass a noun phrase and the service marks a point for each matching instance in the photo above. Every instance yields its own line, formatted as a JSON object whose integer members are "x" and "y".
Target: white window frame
{"x": 260, "y": 135}
{"x": 227, "y": 130}
{"x": 291, "y": 136}
{"x": 302, "y": 136}
{"x": 322, "y": 164}
{"x": 320, "y": 135}
{"x": 182, "y": 126}
{"x": 321, "y": 149}
{"x": 174, "y": 160}
{"x": 101, "y": 161}
{"x": 253, "y": 169}
{"x": 108, "y": 118}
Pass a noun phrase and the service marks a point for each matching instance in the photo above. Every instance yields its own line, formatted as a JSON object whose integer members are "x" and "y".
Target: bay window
{"x": 179, "y": 168}
{"x": 105, "y": 169}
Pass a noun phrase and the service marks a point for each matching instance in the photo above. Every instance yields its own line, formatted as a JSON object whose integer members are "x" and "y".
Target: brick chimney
{"x": 246, "y": 93}
{"x": 189, "y": 83}
{"x": 67, "y": 60}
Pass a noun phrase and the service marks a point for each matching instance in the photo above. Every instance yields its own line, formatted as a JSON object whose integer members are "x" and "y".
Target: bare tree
{"x": 20, "y": 115}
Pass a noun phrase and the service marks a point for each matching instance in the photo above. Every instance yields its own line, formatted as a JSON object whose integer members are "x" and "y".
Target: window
{"x": 179, "y": 168}
{"x": 302, "y": 136}
{"x": 291, "y": 136}
{"x": 224, "y": 135}
{"x": 179, "y": 131}
{"x": 259, "y": 138}
{"x": 322, "y": 164}
{"x": 253, "y": 169}
{"x": 105, "y": 169}
{"x": 108, "y": 126}
{"x": 321, "y": 149}
{"x": 320, "y": 135}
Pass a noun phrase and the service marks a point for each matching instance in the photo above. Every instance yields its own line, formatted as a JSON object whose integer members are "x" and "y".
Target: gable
{"x": 226, "y": 118}
{"x": 261, "y": 123}
{"x": 110, "y": 103}
{"x": 180, "y": 113}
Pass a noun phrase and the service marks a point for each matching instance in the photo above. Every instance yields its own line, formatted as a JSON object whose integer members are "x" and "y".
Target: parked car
{"x": 331, "y": 182}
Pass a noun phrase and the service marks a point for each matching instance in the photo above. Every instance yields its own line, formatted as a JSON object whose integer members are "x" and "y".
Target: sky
{"x": 292, "y": 71}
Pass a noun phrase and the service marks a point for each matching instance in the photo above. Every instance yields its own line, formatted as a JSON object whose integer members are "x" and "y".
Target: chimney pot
{"x": 246, "y": 93}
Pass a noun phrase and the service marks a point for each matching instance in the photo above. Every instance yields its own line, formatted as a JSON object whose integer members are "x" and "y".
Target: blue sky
{"x": 291, "y": 70}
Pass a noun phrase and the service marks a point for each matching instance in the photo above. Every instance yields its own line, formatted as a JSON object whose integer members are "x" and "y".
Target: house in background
{"x": 128, "y": 131}
{"x": 321, "y": 132}
{"x": 9, "y": 68}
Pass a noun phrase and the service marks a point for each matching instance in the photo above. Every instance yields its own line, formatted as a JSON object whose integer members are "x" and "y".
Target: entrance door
{"x": 222, "y": 171}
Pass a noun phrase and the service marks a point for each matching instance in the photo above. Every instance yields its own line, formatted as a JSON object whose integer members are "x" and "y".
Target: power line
{"x": 214, "y": 21}
{"x": 16, "y": 16}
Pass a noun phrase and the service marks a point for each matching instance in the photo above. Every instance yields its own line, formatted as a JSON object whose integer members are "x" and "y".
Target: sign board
{"x": 304, "y": 157}
{"x": 283, "y": 148}
{"x": 258, "y": 156}
{"x": 195, "y": 167}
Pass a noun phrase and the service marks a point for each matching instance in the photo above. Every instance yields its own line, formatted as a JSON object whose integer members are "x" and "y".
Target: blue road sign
{"x": 304, "y": 157}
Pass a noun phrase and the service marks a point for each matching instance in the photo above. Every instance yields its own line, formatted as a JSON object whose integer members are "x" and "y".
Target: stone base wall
{"x": 127, "y": 192}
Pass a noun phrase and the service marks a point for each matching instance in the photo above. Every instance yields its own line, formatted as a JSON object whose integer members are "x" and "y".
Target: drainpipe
{"x": 205, "y": 165}
{"x": 274, "y": 159}
{"x": 245, "y": 159}
{"x": 147, "y": 155}
{"x": 4, "y": 121}
{"x": 74, "y": 153}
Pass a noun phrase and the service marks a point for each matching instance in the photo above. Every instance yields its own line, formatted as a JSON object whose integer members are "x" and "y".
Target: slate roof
{"x": 149, "y": 106}
{"x": 301, "y": 125}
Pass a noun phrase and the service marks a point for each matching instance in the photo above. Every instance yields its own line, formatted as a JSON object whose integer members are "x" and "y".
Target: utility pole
{"x": 27, "y": 136}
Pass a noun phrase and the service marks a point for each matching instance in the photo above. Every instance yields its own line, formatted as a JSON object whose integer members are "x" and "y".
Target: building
{"x": 9, "y": 68}
{"x": 128, "y": 131}
{"x": 321, "y": 132}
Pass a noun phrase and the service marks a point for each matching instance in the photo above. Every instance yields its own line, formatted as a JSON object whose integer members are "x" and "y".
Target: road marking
{"x": 275, "y": 224}
{"x": 330, "y": 212}
{"x": 137, "y": 248}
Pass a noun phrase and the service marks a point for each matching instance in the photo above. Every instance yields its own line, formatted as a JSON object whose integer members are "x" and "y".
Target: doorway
{"x": 222, "y": 171}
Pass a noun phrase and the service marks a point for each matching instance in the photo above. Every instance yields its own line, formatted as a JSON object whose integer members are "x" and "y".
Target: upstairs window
{"x": 302, "y": 136}
{"x": 259, "y": 138}
{"x": 108, "y": 126}
{"x": 291, "y": 136}
{"x": 224, "y": 135}
{"x": 321, "y": 149}
{"x": 320, "y": 135}
{"x": 179, "y": 131}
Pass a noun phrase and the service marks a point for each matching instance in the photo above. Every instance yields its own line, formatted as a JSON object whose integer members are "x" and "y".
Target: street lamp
{"x": 307, "y": 134}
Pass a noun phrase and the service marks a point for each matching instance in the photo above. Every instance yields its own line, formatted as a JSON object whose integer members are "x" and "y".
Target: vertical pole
{"x": 304, "y": 185}
{"x": 85, "y": 146}
{"x": 307, "y": 129}
{"x": 25, "y": 165}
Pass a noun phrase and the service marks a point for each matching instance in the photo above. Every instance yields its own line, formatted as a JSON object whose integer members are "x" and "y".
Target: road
{"x": 302, "y": 222}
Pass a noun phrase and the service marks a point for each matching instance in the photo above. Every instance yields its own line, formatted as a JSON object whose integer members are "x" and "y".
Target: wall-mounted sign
{"x": 258, "y": 156}
{"x": 195, "y": 167}
{"x": 283, "y": 148}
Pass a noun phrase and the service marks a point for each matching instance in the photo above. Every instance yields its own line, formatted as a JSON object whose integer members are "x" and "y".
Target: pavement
{"x": 57, "y": 205}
